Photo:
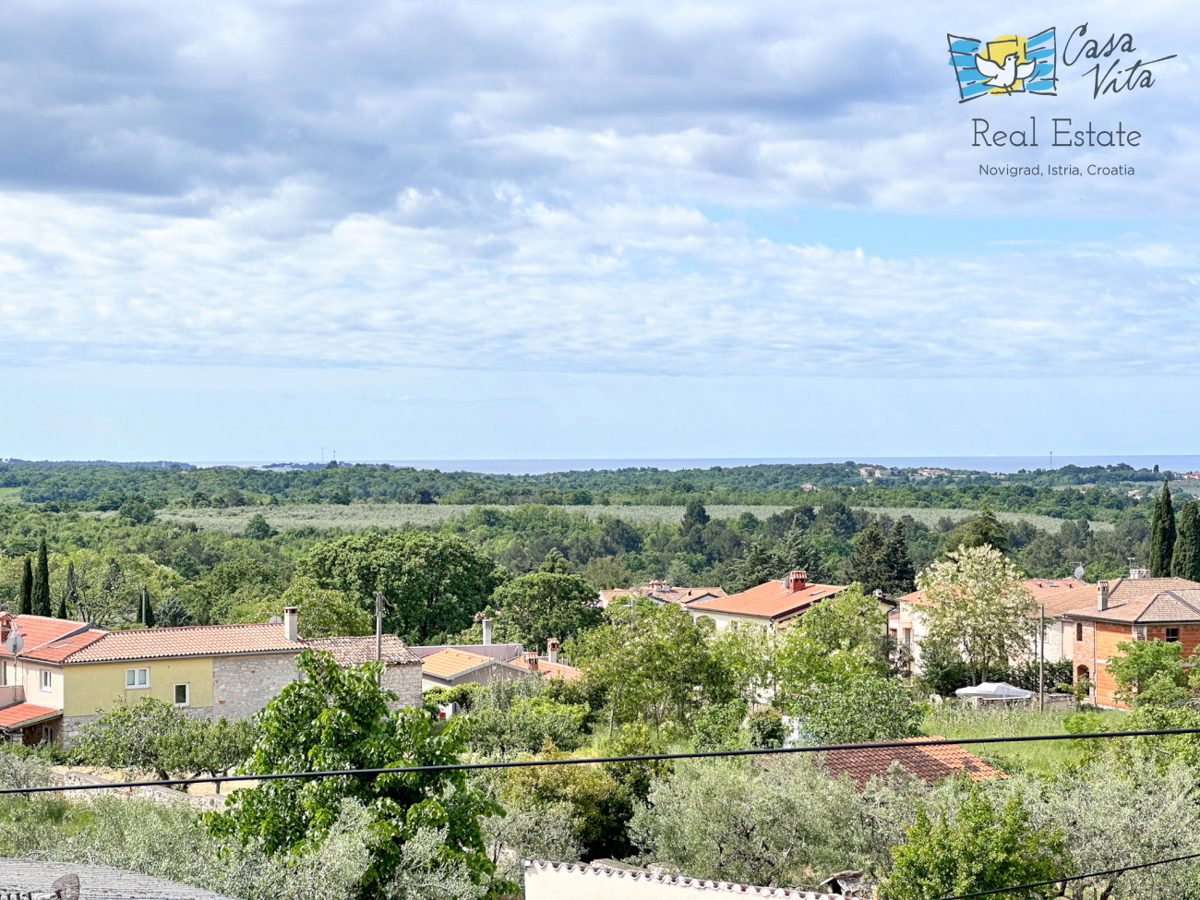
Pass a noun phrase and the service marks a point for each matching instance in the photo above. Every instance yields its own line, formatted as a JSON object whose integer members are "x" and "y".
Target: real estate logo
{"x": 1005, "y": 65}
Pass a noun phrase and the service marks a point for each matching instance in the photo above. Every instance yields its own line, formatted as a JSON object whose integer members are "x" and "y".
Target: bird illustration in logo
{"x": 1004, "y": 76}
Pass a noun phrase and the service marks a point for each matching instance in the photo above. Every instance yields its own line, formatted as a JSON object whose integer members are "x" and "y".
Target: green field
{"x": 396, "y": 515}
{"x": 10, "y": 495}
{"x": 960, "y": 722}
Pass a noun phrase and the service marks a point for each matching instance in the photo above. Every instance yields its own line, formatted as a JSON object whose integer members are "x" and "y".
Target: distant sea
{"x": 995, "y": 464}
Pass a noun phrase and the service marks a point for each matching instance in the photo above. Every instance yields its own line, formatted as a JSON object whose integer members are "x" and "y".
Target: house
{"x": 1130, "y": 609}
{"x": 908, "y": 626}
{"x": 449, "y": 665}
{"x": 401, "y": 667}
{"x": 769, "y": 605}
{"x": 662, "y": 593}
{"x": 930, "y": 763}
{"x": 618, "y": 881}
{"x": 67, "y": 673}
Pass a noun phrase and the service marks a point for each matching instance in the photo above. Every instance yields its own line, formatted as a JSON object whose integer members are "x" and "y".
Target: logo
{"x": 1010, "y": 64}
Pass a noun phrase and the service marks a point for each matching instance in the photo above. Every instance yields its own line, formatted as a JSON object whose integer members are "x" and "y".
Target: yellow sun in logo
{"x": 998, "y": 50}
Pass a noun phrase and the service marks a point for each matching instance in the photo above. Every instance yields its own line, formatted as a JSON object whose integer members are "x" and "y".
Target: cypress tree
{"x": 1185, "y": 560}
{"x": 41, "y": 582}
{"x": 146, "y": 610}
{"x": 866, "y": 559}
{"x": 1162, "y": 534}
{"x": 26, "y": 588}
{"x": 71, "y": 597}
{"x": 900, "y": 577}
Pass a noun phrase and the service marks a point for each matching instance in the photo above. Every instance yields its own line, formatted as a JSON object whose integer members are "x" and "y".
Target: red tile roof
{"x": 21, "y": 714}
{"x": 354, "y": 651}
{"x": 451, "y": 663}
{"x": 547, "y": 669}
{"x": 52, "y": 640}
{"x": 666, "y": 594}
{"x": 187, "y": 640}
{"x": 930, "y": 764}
{"x": 1058, "y": 594}
{"x": 771, "y": 600}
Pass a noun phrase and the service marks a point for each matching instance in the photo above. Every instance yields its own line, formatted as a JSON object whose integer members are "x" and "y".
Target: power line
{"x": 1036, "y": 884}
{"x": 579, "y": 761}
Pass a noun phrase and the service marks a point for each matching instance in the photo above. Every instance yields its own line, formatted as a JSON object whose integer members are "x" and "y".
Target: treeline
{"x": 66, "y": 487}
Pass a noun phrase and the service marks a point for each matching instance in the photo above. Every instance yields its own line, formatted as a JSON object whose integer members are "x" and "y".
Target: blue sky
{"x": 479, "y": 230}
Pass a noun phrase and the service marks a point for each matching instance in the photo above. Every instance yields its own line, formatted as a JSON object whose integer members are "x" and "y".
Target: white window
{"x": 1139, "y": 632}
{"x": 137, "y": 678}
{"x": 46, "y": 682}
{"x": 182, "y": 692}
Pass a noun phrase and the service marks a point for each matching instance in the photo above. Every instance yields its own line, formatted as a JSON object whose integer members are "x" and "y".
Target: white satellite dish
{"x": 15, "y": 643}
{"x": 1079, "y": 573}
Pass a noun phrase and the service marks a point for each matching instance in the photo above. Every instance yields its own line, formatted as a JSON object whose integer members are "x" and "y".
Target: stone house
{"x": 662, "y": 593}
{"x": 401, "y": 667}
{"x": 1130, "y": 609}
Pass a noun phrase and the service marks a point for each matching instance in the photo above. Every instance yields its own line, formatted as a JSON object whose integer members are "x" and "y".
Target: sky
{"x": 470, "y": 230}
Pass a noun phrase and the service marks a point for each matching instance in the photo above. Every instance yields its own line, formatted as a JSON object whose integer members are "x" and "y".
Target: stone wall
{"x": 405, "y": 680}
{"x": 242, "y": 685}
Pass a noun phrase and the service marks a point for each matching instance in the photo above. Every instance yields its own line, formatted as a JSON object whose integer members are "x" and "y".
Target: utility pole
{"x": 380, "y": 603}
{"x": 1042, "y": 661}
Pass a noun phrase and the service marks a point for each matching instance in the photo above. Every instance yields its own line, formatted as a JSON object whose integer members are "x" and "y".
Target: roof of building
{"x": 628, "y": 876}
{"x": 52, "y": 640}
{"x": 354, "y": 651}
{"x": 930, "y": 764}
{"x": 187, "y": 640}
{"x": 502, "y": 652}
{"x": 95, "y": 882}
{"x": 663, "y": 593}
{"x": 1058, "y": 595}
{"x": 547, "y": 669}
{"x": 1167, "y": 606}
{"x": 21, "y": 714}
{"x": 452, "y": 663}
{"x": 771, "y": 600}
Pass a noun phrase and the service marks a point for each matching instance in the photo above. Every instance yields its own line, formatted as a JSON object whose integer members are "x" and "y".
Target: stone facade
{"x": 242, "y": 685}
{"x": 405, "y": 680}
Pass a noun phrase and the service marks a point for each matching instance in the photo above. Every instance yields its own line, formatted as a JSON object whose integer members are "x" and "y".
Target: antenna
{"x": 15, "y": 643}
{"x": 1079, "y": 572}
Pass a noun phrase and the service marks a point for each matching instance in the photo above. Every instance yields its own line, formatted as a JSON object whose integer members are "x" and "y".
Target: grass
{"x": 396, "y": 515}
{"x": 10, "y": 495}
{"x": 958, "y": 722}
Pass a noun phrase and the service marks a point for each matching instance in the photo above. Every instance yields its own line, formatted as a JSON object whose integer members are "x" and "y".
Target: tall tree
{"x": 982, "y": 529}
{"x": 41, "y": 582}
{"x": 866, "y": 559}
{"x": 26, "y": 607}
{"x": 979, "y": 605}
{"x": 900, "y": 576}
{"x": 694, "y": 514}
{"x": 1162, "y": 534}
{"x": 1185, "y": 559}
{"x": 146, "y": 609}
{"x": 70, "y": 599}
{"x": 541, "y": 605}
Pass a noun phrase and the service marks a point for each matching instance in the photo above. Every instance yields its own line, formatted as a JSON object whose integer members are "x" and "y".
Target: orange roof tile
{"x": 20, "y": 714}
{"x": 52, "y": 640}
{"x": 1168, "y": 606}
{"x": 930, "y": 764}
{"x": 771, "y": 600}
{"x": 450, "y": 663}
{"x": 679, "y": 595}
{"x": 547, "y": 669}
{"x": 354, "y": 651}
{"x": 1058, "y": 594}
{"x": 187, "y": 640}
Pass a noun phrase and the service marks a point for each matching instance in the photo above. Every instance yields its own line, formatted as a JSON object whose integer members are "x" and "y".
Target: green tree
{"x": 70, "y": 597}
{"x": 655, "y": 662}
{"x": 532, "y": 608}
{"x": 899, "y": 576}
{"x": 321, "y": 612}
{"x": 978, "y": 604}
{"x": 434, "y": 583}
{"x": 1150, "y": 673}
{"x": 147, "y": 609}
{"x": 980, "y": 849}
{"x": 258, "y": 529}
{"x": 1185, "y": 558}
{"x": 983, "y": 529}
{"x": 694, "y": 515}
{"x": 26, "y": 607}
{"x": 838, "y": 640}
{"x": 41, "y": 582}
{"x": 334, "y": 718}
{"x": 866, "y": 565}
{"x": 865, "y": 708}
{"x": 146, "y": 735}
{"x": 1162, "y": 534}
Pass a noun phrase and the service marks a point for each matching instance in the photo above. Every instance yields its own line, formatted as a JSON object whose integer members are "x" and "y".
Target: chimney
{"x": 1102, "y": 595}
{"x": 531, "y": 660}
{"x": 291, "y": 624}
{"x": 487, "y": 632}
{"x": 552, "y": 650}
{"x": 796, "y": 580}
{"x": 6, "y": 624}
